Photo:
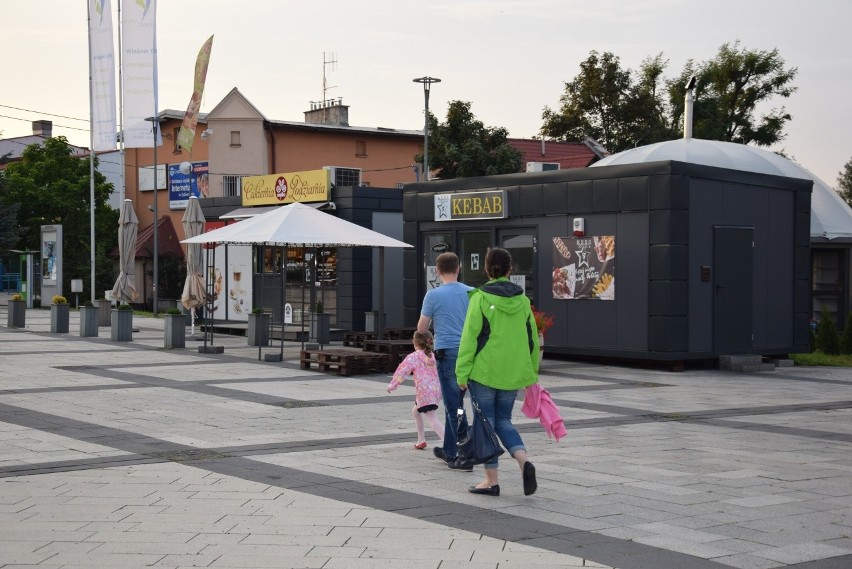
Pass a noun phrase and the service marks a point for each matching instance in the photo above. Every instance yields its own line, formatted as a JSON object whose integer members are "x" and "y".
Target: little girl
{"x": 421, "y": 363}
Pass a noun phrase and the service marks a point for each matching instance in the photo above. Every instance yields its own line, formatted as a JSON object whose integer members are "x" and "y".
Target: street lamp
{"x": 427, "y": 84}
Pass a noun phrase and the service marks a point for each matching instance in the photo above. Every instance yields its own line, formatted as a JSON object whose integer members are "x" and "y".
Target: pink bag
{"x": 539, "y": 404}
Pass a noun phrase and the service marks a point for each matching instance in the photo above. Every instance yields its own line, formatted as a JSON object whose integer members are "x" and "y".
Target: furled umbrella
{"x": 125, "y": 285}
{"x": 193, "y": 289}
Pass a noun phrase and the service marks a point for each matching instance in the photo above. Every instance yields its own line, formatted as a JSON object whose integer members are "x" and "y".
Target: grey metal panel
{"x": 668, "y": 192}
{"x": 668, "y": 262}
{"x": 631, "y": 281}
{"x": 605, "y": 195}
{"x": 554, "y": 198}
{"x": 667, "y": 333}
{"x": 549, "y": 227}
{"x": 578, "y": 197}
{"x": 668, "y": 298}
{"x": 703, "y": 207}
{"x": 531, "y": 200}
{"x": 669, "y": 226}
{"x": 777, "y": 306}
{"x": 409, "y": 207}
{"x": 633, "y": 193}
{"x": 390, "y": 224}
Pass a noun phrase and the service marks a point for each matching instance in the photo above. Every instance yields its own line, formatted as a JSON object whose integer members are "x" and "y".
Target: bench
{"x": 344, "y": 362}
{"x": 356, "y": 339}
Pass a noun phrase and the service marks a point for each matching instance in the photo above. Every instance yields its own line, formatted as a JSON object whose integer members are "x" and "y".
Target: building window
{"x": 361, "y": 148}
{"x": 178, "y": 148}
{"x": 233, "y": 186}
{"x": 235, "y": 138}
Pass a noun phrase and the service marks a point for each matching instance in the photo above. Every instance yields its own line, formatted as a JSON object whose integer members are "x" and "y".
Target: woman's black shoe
{"x": 489, "y": 491}
{"x": 530, "y": 485}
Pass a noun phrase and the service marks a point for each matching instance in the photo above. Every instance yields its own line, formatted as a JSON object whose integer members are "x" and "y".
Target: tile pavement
{"x": 129, "y": 455}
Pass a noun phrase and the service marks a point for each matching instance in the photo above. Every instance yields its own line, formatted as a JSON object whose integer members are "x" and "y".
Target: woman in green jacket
{"x": 498, "y": 355}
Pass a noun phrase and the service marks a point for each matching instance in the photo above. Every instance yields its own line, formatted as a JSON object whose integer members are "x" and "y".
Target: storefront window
{"x": 473, "y": 246}
{"x": 828, "y": 274}
{"x": 522, "y": 248}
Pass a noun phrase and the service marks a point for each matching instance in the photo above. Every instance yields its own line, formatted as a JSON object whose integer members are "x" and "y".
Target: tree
{"x": 828, "y": 340}
{"x": 463, "y": 146}
{"x": 621, "y": 108}
{"x": 605, "y": 102}
{"x": 844, "y": 182}
{"x": 50, "y": 186}
{"x": 729, "y": 89}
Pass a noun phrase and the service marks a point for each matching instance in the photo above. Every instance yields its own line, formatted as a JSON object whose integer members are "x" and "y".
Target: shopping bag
{"x": 477, "y": 441}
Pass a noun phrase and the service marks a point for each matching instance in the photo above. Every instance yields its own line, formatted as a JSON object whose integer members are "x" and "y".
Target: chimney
{"x": 687, "y": 108}
{"x": 331, "y": 112}
{"x": 43, "y": 128}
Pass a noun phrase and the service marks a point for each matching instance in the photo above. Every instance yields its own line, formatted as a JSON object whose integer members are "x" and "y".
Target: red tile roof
{"x": 566, "y": 154}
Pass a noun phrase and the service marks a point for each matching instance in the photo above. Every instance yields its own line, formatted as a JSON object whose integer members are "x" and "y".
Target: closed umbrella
{"x": 194, "y": 294}
{"x": 125, "y": 285}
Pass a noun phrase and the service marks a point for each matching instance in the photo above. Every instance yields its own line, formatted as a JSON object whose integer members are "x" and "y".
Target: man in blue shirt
{"x": 445, "y": 307}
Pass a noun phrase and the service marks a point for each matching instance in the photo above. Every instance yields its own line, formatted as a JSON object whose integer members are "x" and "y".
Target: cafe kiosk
{"x": 666, "y": 261}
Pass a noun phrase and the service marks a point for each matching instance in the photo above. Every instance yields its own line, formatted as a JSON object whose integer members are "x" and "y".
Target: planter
{"x": 89, "y": 316}
{"x": 174, "y": 327}
{"x": 59, "y": 315}
{"x": 320, "y": 328}
{"x": 104, "y": 307}
{"x": 258, "y": 330}
{"x": 17, "y": 317}
{"x": 121, "y": 325}
{"x": 163, "y": 304}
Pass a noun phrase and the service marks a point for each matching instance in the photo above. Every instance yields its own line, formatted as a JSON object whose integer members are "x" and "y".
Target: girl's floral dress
{"x": 426, "y": 385}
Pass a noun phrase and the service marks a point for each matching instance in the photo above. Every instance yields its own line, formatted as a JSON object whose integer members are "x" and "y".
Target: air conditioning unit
{"x": 542, "y": 166}
{"x": 341, "y": 177}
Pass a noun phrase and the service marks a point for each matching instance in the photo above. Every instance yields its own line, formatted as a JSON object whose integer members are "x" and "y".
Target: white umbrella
{"x": 125, "y": 285}
{"x": 194, "y": 294}
{"x": 299, "y": 225}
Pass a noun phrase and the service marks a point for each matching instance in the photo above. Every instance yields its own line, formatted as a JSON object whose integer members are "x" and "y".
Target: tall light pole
{"x": 427, "y": 85}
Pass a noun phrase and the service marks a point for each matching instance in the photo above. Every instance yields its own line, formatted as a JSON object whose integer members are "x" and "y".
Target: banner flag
{"x": 190, "y": 118}
{"x": 139, "y": 72}
{"x": 102, "y": 71}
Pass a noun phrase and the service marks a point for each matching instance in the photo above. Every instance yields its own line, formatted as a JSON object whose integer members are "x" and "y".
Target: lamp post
{"x": 427, "y": 85}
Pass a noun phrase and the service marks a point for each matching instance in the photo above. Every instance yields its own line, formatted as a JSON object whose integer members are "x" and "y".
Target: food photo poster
{"x": 584, "y": 267}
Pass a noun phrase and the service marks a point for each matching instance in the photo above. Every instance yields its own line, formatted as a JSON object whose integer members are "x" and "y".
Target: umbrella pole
{"x": 262, "y": 281}
{"x": 381, "y": 324}
{"x": 192, "y": 320}
{"x": 283, "y": 294}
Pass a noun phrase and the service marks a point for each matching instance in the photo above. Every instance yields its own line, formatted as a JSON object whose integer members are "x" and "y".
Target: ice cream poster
{"x": 584, "y": 267}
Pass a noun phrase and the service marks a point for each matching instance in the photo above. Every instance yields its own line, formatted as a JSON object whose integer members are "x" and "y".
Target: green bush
{"x": 17, "y": 296}
{"x": 828, "y": 341}
{"x": 319, "y": 307}
{"x": 173, "y": 310}
{"x": 124, "y": 306}
{"x": 58, "y": 299}
{"x": 88, "y": 303}
{"x": 257, "y": 310}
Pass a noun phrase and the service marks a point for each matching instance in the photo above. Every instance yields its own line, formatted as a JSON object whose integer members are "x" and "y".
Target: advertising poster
{"x": 183, "y": 184}
{"x": 584, "y": 267}
{"x": 232, "y": 286}
{"x": 48, "y": 259}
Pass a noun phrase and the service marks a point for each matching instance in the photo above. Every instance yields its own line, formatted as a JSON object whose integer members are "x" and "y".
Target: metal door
{"x": 733, "y": 249}
{"x": 473, "y": 245}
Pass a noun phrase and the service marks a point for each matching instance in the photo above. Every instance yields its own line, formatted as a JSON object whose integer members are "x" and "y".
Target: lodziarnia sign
{"x": 471, "y": 205}
{"x": 274, "y": 189}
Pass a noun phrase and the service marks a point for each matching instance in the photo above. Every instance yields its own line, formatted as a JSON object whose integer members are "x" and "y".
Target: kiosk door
{"x": 732, "y": 304}
{"x": 473, "y": 245}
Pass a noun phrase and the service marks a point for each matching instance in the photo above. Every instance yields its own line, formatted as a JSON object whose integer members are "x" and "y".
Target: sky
{"x": 509, "y": 58}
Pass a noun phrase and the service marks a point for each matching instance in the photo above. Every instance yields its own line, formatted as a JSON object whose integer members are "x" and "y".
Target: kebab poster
{"x": 584, "y": 267}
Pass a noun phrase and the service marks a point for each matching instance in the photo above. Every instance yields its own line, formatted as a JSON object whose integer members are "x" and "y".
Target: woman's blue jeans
{"x": 497, "y": 405}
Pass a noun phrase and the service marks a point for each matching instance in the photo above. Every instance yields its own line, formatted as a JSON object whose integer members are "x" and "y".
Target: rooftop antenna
{"x": 329, "y": 61}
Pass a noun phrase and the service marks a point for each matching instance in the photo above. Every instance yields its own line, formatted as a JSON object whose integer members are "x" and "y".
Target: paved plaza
{"x": 128, "y": 455}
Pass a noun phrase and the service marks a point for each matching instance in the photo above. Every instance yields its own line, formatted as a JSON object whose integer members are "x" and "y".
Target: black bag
{"x": 477, "y": 443}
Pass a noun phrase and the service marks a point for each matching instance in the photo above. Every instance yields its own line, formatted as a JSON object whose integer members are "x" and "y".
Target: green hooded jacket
{"x": 499, "y": 342}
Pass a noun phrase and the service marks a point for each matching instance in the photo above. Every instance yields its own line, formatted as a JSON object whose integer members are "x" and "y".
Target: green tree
{"x": 621, "y": 108}
{"x": 50, "y": 186}
{"x": 463, "y": 146}
{"x": 844, "y": 182}
{"x": 729, "y": 89}
{"x": 615, "y": 106}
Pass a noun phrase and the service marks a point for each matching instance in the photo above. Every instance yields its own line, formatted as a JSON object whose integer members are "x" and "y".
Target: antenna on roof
{"x": 329, "y": 61}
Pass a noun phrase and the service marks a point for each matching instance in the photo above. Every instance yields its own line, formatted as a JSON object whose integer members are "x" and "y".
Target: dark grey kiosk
{"x": 710, "y": 261}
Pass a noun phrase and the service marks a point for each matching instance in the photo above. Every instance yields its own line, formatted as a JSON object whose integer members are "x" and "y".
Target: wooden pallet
{"x": 344, "y": 362}
{"x": 356, "y": 339}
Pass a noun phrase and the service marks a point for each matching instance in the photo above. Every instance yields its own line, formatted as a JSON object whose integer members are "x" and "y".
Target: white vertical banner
{"x": 102, "y": 70}
{"x": 139, "y": 75}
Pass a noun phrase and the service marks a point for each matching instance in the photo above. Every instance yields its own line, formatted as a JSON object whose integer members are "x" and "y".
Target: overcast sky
{"x": 509, "y": 58}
